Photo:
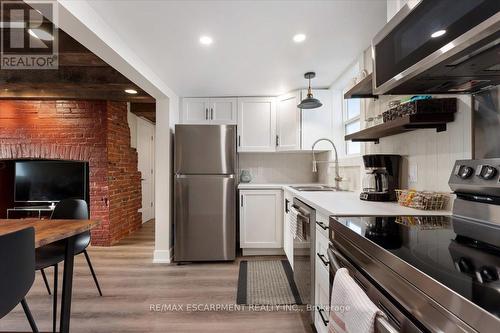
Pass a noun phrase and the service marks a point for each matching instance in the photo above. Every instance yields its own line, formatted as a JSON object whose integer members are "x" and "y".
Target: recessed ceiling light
{"x": 438, "y": 33}
{"x": 131, "y": 91}
{"x": 206, "y": 40}
{"x": 40, "y": 34}
{"x": 299, "y": 38}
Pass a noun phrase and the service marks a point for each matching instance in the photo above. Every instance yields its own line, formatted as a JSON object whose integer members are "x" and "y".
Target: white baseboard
{"x": 162, "y": 256}
{"x": 263, "y": 252}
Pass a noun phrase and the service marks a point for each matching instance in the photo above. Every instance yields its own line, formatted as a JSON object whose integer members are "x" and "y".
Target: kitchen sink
{"x": 312, "y": 188}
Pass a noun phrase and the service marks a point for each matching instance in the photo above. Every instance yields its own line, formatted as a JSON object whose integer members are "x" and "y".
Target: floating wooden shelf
{"x": 402, "y": 125}
{"x": 363, "y": 89}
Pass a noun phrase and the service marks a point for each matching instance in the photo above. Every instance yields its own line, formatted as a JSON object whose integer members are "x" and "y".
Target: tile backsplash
{"x": 350, "y": 174}
{"x": 293, "y": 167}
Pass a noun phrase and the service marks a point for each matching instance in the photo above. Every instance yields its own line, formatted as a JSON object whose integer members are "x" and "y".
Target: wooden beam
{"x": 68, "y": 74}
{"x": 80, "y": 60}
{"x": 72, "y": 91}
{"x": 81, "y": 75}
{"x": 146, "y": 110}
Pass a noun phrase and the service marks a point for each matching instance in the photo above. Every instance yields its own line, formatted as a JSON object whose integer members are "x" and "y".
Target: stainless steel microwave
{"x": 438, "y": 46}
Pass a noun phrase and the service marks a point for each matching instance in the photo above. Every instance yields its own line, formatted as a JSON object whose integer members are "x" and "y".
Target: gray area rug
{"x": 266, "y": 282}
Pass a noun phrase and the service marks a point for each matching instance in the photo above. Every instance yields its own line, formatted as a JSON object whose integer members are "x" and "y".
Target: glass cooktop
{"x": 461, "y": 254}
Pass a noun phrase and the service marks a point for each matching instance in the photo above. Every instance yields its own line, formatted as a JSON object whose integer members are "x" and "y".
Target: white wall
{"x": 278, "y": 167}
{"x": 163, "y": 166}
{"x": 393, "y": 6}
{"x": 132, "y": 124}
{"x": 82, "y": 22}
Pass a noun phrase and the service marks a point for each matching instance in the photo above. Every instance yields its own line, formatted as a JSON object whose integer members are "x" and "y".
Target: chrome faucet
{"x": 338, "y": 179}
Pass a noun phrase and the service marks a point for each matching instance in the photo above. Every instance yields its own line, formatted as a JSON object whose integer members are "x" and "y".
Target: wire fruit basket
{"x": 425, "y": 200}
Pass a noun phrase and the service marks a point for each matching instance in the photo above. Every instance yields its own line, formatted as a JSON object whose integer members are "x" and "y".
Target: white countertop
{"x": 344, "y": 203}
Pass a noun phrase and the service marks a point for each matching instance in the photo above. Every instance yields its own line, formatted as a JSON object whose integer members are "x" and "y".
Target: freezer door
{"x": 205, "y": 149}
{"x": 205, "y": 217}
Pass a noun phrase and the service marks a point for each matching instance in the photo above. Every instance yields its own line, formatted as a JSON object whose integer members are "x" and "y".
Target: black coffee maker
{"x": 381, "y": 178}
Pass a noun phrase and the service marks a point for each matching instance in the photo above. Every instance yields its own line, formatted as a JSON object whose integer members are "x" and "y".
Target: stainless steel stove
{"x": 439, "y": 273}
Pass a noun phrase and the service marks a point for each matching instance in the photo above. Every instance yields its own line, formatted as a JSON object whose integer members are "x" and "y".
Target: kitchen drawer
{"x": 322, "y": 299}
{"x": 321, "y": 253}
{"x": 321, "y": 327}
{"x": 322, "y": 224}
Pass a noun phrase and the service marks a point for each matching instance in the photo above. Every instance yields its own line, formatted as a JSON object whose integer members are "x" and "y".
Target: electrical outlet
{"x": 412, "y": 173}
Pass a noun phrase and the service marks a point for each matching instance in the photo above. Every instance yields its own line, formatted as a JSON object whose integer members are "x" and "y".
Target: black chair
{"x": 17, "y": 271}
{"x": 52, "y": 254}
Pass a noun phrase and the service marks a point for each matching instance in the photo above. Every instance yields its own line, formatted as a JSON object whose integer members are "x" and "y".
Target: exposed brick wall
{"x": 93, "y": 131}
{"x": 124, "y": 178}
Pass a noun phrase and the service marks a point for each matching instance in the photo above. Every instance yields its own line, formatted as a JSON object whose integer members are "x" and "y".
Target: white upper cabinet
{"x": 223, "y": 111}
{"x": 256, "y": 124}
{"x": 267, "y": 124}
{"x": 318, "y": 123}
{"x": 288, "y": 122}
{"x": 219, "y": 111}
{"x": 195, "y": 111}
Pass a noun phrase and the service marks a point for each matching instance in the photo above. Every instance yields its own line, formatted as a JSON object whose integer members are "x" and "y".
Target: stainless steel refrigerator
{"x": 205, "y": 193}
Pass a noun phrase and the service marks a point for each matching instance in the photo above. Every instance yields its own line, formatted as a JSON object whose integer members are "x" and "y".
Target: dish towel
{"x": 358, "y": 313}
{"x": 293, "y": 222}
{"x": 296, "y": 225}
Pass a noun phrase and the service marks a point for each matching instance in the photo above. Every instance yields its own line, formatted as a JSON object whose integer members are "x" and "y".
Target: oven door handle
{"x": 332, "y": 257}
{"x": 300, "y": 212}
{"x": 382, "y": 325}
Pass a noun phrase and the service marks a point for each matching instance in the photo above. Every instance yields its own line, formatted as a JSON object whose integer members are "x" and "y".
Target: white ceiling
{"x": 253, "y": 52}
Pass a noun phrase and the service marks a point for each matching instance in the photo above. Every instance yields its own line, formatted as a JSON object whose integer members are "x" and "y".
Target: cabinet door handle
{"x": 323, "y": 259}
{"x": 241, "y": 201}
{"x": 287, "y": 202}
{"x": 277, "y": 140}
{"x": 206, "y": 114}
{"x": 239, "y": 140}
{"x": 325, "y": 321}
{"x": 212, "y": 113}
{"x": 322, "y": 225}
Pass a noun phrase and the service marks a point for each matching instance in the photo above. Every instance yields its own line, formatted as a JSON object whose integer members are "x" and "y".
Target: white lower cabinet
{"x": 287, "y": 232}
{"x": 322, "y": 282}
{"x": 261, "y": 219}
{"x": 322, "y": 224}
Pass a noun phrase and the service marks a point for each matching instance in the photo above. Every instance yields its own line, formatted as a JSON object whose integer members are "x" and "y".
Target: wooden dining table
{"x": 49, "y": 231}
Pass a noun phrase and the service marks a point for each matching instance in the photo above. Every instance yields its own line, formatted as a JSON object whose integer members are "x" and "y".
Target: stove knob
{"x": 488, "y": 274}
{"x": 487, "y": 172}
{"x": 465, "y": 265}
{"x": 465, "y": 172}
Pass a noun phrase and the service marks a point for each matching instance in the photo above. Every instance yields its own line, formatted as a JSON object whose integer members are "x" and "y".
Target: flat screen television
{"x": 49, "y": 181}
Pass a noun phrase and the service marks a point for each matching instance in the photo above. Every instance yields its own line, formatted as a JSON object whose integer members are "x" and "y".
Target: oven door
{"x": 425, "y": 33}
{"x": 396, "y": 321}
{"x": 302, "y": 254}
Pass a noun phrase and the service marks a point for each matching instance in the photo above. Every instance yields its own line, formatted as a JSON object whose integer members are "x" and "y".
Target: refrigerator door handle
{"x": 180, "y": 176}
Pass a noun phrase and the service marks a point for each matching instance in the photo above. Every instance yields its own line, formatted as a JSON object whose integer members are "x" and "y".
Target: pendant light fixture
{"x": 310, "y": 102}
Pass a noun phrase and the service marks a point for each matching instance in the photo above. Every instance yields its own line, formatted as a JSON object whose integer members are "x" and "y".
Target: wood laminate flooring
{"x": 131, "y": 284}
